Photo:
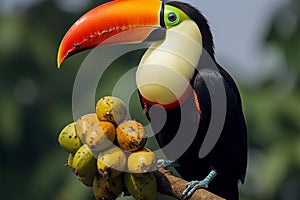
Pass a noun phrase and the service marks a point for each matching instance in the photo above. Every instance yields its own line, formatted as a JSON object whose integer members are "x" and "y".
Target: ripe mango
{"x": 131, "y": 135}
{"x": 98, "y": 135}
{"x": 141, "y": 161}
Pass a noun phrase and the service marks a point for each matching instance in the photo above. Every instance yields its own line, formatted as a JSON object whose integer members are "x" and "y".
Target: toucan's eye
{"x": 172, "y": 17}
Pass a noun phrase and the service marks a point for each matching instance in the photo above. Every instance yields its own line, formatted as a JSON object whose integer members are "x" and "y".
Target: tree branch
{"x": 174, "y": 186}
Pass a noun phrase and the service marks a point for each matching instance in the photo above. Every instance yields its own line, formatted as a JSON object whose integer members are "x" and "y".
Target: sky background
{"x": 238, "y": 28}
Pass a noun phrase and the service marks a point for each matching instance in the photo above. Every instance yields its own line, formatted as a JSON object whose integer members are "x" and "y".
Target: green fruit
{"x": 69, "y": 162}
{"x": 141, "y": 161}
{"x": 84, "y": 163}
{"x": 111, "y": 162}
{"x": 111, "y": 109}
{"x": 107, "y": 189}
{"x": 88, "y": 180}
{"x": 96, "y": 134}
{"x": 68, "y": 139}
{"x": 141, "y": 187}
{"x": 131, "y": 135}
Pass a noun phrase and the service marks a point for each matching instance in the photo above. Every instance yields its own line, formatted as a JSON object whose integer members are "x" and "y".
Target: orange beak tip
{"x": 60, "y": 58}
{"x": 120, "y": 16}
{"x": 58, "y": 64}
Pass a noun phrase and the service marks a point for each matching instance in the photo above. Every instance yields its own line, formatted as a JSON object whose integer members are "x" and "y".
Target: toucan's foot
{"x": 161, "y": 163}
{"x": 195, "y": 185}
{"x": 192, "y": 187}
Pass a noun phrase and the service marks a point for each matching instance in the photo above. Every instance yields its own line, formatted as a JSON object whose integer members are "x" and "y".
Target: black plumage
{"x": 229, "y": 155}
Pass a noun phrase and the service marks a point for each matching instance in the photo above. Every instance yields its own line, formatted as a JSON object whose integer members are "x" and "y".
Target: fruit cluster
{"x": 107, "y": 152}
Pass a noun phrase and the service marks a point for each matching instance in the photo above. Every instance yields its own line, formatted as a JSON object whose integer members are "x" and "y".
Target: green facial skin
{"x": 173, "y": 16}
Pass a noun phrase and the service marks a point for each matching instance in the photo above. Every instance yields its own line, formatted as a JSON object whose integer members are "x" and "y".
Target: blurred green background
{"x": 35, "y": 104}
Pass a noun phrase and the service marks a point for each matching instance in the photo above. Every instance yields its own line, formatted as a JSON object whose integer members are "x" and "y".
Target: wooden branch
{"x": 174, "y": 186}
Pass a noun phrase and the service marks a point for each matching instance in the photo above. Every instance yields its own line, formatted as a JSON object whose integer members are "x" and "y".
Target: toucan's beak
{"x": 137, "y": 18}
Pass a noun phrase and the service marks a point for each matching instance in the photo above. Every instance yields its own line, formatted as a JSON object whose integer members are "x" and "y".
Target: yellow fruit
{"x": 144, "y": 187}
{"x": 88, "y": 180}
{"x": 107, "y": 190}
{"x": 84, "y": 163}
{"x": 111, "y": 109}
{"x": 141, "y": 161}
{"x": 111, "y": 162}
{"x": 131, "y": 135}
{"x": 84, "y": 123}
{"x": 68, "y": 139}
{"x": 98, "y": 135}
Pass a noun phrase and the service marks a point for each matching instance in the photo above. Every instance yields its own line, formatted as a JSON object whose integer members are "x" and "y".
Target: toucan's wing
{"x": 234, "y": 133}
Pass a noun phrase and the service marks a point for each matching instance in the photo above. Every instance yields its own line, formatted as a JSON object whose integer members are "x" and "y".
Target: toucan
{"x": 180, "y": 74}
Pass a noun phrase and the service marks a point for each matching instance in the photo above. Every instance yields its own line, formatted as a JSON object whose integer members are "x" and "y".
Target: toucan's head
{"x": 167, "y": 68}
{"x": 108, "y": 24}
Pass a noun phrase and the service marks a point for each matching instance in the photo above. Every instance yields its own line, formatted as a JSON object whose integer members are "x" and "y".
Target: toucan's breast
{"x": 167, "y": 67}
